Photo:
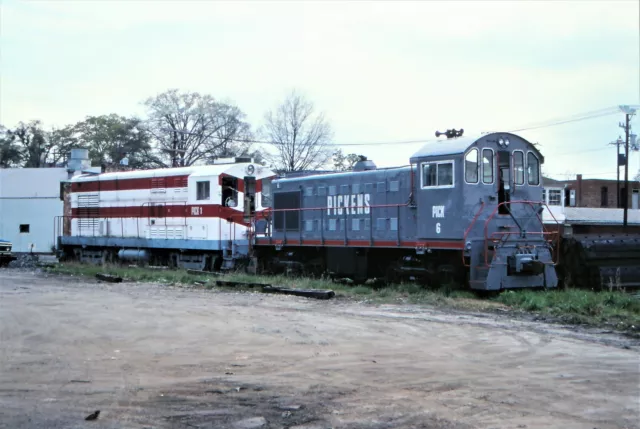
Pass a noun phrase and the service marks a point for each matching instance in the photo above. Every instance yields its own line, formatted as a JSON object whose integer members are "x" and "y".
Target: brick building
{"x": 592, "y": 193}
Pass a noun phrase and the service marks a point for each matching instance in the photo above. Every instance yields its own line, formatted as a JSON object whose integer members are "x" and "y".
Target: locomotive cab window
{"x": 518, "y": 166}
{"x": 203, "y": 190}
{"x": 533, "y": 169}
{"x": 471, "y": 166}
{"x": 487, "y": 166}
{"x": 437, "y": 174}
{"x": 229, "y": 191}
{"x": 266, "y": 193}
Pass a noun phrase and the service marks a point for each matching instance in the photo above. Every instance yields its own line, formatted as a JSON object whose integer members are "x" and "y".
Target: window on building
{"x": 487, "y": 166}
{"x": 533, "y": 169}
{"x": 203, "y": 190}
{"x": 24, "y": 229}
{"x": 544, "y": 195}
{"x": 604, "y": 196}
{"x": 518, "y": 166}
{"x": 555, "y": 197}
{"x": 471, "y": 166}
{"x": 437, "y": 174}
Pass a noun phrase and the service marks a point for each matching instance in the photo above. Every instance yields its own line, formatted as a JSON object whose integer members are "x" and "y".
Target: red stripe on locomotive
{"x": 161, "y": 211}
{"x": 144, "y": 183}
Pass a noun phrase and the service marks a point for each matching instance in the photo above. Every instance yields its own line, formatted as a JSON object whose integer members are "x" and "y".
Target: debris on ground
{"x": 109, "y": 278}
{"x": 203, "y": 273}
{"x": 25, "y": 260}
{"x": 251, "y": 423}
{"x": 93, "y": 416}
{"x": 308, "y": 293}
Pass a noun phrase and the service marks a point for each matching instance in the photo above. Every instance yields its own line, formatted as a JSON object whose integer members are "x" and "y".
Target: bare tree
{"x": 301, "y": 138}
{"x": 190, "y": 127}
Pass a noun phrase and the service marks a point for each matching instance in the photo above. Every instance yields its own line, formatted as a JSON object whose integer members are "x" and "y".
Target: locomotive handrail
{"x": 466, "y": 232}
{"x": 509, "y": 233}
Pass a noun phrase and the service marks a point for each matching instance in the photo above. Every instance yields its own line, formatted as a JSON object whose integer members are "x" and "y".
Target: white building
{"x": 30, "y": 201}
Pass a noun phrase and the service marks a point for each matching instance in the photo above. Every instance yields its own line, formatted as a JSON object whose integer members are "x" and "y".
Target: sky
{"x": 380, "y": 71}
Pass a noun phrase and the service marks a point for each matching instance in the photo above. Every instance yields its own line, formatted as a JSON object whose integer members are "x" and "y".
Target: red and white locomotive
{"x": 191, "y": 217}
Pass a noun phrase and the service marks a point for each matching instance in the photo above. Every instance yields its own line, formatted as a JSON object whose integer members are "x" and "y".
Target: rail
{"x": 499, "y": 236}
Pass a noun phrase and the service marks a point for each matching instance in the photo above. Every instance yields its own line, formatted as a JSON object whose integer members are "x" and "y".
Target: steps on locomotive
{"x": 228, "y": 263}
{"x": 478, "y": 270}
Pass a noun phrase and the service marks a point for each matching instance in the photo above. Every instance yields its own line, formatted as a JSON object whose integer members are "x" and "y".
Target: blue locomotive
{"x": 465, "y": 209}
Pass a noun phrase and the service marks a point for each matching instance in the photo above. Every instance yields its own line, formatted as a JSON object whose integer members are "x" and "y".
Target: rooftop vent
{"x": 363, "y": 164}
{"x": 79, "y": 160}
{"x": 236, "y": 160}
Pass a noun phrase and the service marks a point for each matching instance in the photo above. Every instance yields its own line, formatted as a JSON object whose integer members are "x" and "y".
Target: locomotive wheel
{"x": 217, "y": 263}
{"x": 391, "y": 276}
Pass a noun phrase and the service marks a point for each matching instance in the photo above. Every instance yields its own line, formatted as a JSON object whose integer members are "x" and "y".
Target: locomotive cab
{"x": 492, "y": 202}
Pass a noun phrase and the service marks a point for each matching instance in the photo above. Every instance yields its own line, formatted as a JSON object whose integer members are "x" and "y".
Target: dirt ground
{"x": 152, "y": 356}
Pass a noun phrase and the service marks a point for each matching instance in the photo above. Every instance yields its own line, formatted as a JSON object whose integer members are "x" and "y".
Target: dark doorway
{"x": 504, "y": 181}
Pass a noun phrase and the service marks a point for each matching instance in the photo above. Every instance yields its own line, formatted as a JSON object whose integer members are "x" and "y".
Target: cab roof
{"x": 459, "y": 145}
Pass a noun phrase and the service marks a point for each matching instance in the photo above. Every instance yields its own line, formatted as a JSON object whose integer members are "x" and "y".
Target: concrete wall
{"x": 30, "y": 196}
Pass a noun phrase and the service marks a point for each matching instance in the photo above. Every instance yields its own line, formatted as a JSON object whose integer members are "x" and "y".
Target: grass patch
{"x": 606, "y": 308}
{"x": 578, "y": 306}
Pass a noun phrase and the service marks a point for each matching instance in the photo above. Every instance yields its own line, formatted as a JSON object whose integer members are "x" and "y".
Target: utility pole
{"x": 626, "y": 170}
{"x": 628, "y": 111}
{"x": 618, "y": 143}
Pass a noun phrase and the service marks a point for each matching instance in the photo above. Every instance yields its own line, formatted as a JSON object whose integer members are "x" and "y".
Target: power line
{"x": 543, "y": 124}
{"x": 564, "y": 122}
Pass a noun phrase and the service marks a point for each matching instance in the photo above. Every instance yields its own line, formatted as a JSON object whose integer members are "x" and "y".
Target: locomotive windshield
{"x": 533, "y": 169}
{"x": 266, "y": 192}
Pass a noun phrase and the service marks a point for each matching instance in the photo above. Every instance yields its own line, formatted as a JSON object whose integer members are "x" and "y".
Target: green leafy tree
{"x": 35, "y": 147}
{"x": 342, "y": 162}
{"x": 10, "y": 153}
{"x": 111, "y": 138}
{"x": 30, "y": 145}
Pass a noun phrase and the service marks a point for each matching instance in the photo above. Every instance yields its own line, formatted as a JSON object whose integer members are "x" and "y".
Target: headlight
{"x": 501, "y": 142}
{"x": 506, "y": 142}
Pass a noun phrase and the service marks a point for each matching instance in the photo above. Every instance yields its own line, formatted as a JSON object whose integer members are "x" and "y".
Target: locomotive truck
{"x": 465, "y": 209}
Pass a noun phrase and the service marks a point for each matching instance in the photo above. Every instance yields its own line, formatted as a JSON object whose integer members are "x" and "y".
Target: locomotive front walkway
{"x": 148, "y": 356}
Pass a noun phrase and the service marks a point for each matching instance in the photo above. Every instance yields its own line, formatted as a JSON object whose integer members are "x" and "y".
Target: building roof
{"x": 549, "y": 181}
{"x": 609, "y": 216}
